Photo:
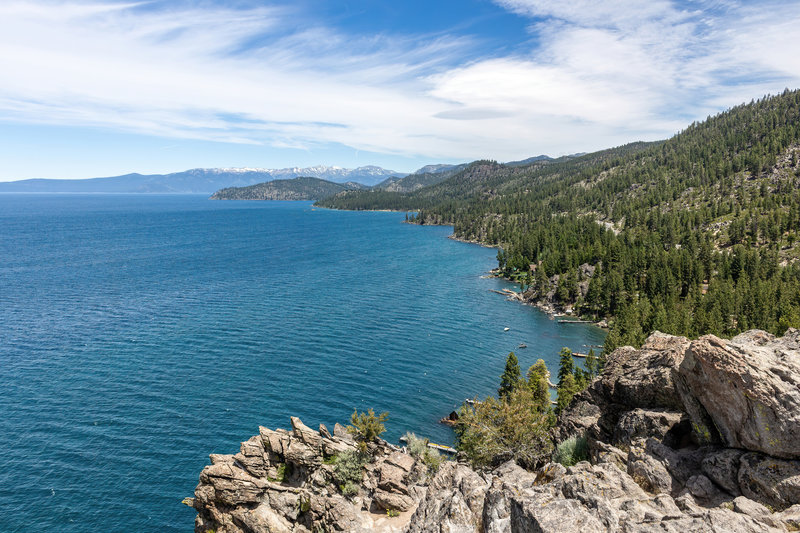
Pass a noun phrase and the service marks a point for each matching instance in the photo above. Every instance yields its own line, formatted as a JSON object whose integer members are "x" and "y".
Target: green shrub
{"x": 391, "y": 513}
{"x": 350, "y": 488}
{"x": 304, "y": 505}
{"x": 366, "y": 427}
{"x": 572, "y": 451}
{"x": 433, "y": 460}
{"x": 347, "y": 471}
{"x": 494, "y": 431}
{"x": 418, "y": 448}
{"x": 284, "y": 471}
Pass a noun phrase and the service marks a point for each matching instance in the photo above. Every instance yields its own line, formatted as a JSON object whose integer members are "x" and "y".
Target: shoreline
{"x": 546, "y": 308}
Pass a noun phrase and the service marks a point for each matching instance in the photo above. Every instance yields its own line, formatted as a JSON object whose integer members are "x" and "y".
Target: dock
{"x": 442, "y": 448}
{"x": 437, "y": 447}
{"x": 574, "y": 321}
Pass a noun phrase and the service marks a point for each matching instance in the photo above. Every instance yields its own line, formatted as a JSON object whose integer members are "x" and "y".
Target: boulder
{"x": 790, "y": 518}
{"x": 305, "y": 434}
{"x": 341, "y": 432}
{"x": 323, "y": 431}
{"x": 454, "y": 502}
{"x": 632, "y": 380}
{"x": 231, "y": 484}
{"x": 644, "y": 378}
{"x": 392, "y": 478}
{"x": 704, "y": 490}
{"x": 553, "y": 515}
{"x": 650, "y": 473}
{"x": 722, "y": 467}
{"x": 769, "y": 480}
{"x": 749, "y": 387}
{"x": 402, "y": 461}
{"x": 749, "y": 507}
{"x": 253, "y": 457}
{"x": 645, "y": 423}
{"x": 601, "y": 452}
{"x": 392, "y": 501}
{"x": 300, "y": 454}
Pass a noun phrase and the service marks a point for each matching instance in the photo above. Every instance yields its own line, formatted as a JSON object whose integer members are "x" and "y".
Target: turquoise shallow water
{"x": 138, "y": 334}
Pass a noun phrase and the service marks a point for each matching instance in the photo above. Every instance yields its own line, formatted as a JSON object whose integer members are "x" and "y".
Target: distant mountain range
{"x": 199, "y": 180}
{"x": 210, "y": 180}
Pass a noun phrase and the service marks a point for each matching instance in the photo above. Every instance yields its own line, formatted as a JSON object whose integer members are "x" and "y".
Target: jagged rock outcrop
{"x": 668, "y": 428}
{"x": 586, "y": 497}
{"x": 283, "y": 481}
{"x": 635, "y": 394}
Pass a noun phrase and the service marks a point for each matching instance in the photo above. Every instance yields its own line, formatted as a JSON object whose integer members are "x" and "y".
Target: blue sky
{"x": 99, "y": 88}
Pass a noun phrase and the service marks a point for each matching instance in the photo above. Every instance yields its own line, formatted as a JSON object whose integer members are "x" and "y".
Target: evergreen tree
{"x": 692, "y": 235}
{"x": 566, "y": 390}
{"x": 511, "y": 378}
{"x": 566, "y": 365}
{"x": 541, "y": 283}
{"x": 538, "y": 376}
{"x": 591, "y": 363}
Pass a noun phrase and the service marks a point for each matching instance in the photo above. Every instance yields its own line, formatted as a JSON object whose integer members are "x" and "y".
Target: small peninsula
{"x": 302, "y": 188}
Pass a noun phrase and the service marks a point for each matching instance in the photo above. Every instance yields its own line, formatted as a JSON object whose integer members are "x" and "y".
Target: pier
{"x": 438, "y": 447}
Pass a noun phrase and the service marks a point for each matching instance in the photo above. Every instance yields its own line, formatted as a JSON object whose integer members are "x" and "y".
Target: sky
{"x": 100, "y": 88}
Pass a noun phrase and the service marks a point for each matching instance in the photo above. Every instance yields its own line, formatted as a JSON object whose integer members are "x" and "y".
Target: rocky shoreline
{"x": 545, "y": 305}
{"x": 682, "y": 436}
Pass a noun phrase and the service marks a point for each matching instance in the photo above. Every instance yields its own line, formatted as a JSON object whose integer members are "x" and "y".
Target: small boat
{"x": 506, "y": 329}
{"x": 522, "y": 345}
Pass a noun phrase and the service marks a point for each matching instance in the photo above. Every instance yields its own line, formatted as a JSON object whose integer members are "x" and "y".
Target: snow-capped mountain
{"x": 200, "y": 180}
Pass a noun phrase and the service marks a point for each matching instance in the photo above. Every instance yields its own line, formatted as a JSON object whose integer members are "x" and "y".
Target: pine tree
{"x": 566, "y": 390}
{"x": 538, "y": 383}
{"x": 591, "y": 363}
{"x": 566, "y": 366}
{"x": 511, "y": 378}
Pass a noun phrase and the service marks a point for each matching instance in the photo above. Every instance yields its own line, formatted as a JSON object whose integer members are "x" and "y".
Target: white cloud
{"x": 627, "y": 14}
{"x": 605, "y": 74}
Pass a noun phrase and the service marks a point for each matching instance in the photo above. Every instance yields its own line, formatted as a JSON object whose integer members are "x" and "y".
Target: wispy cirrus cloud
{"x": 601, "y": 74}
{"x": 632, "y": 68}
{"x": 196, "y": 72}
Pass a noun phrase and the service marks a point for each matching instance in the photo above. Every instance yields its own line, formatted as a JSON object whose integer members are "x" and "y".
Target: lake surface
{"x": 138, "y": 334}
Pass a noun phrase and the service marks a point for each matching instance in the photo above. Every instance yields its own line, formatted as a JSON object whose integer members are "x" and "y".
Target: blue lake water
{"x": 138, "y": 334}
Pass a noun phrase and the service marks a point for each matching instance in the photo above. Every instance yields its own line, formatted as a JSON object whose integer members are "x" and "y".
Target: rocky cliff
{"x": 682, "y": 435}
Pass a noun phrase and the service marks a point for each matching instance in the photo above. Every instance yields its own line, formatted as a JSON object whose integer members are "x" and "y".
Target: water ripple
{"x": 138, "y": 335}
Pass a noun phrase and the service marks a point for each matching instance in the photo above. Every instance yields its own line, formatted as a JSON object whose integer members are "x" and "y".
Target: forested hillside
{"x": 416, "y": 181}
{"x": 293, "y": 189}
{"x": 696, "y": 234}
